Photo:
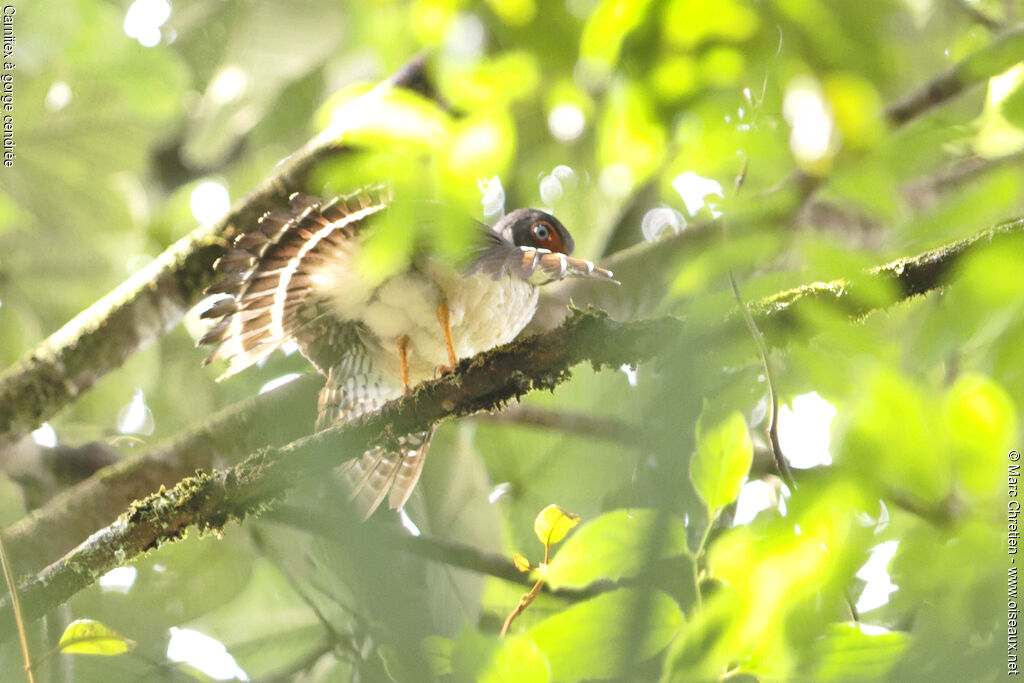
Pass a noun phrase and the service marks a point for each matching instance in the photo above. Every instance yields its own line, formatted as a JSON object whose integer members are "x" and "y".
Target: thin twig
{"x": 977, "y": 67}
{"x": 12, "y": 590}
{"x": 975, "y": 14}
{"x": 604, "y": 428}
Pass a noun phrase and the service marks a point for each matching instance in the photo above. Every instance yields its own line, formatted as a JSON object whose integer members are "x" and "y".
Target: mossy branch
{"x": 482, "y": 383}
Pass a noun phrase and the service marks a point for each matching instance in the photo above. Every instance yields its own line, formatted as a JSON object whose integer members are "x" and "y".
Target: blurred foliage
{"x": 594, "y": 109}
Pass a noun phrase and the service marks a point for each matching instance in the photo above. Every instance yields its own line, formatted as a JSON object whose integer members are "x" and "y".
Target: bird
{"x": 296, "y": 278}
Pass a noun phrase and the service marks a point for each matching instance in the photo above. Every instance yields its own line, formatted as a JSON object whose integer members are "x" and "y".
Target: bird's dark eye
{"x": 541, "y": 232}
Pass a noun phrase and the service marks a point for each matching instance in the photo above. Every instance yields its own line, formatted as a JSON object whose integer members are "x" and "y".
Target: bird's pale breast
{"x": 483, "y": 313}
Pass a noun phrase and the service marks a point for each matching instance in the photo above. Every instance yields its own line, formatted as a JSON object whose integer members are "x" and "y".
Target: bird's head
{"x": 535, "y": 229}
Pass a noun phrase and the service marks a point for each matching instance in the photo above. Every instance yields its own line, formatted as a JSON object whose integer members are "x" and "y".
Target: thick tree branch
{"x": 274, "y": 418}
{"x": 485, "y": 382}
{"x": 209, "y": 501}
{"x": 149, "y": 303}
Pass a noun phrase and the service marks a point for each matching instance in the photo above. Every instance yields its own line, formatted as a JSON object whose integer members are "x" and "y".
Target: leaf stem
{"x": 697, "y": 555}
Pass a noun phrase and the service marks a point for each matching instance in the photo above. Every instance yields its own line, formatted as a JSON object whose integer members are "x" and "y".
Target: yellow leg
{"x": 446, "y": 329}
{"x": 403, "y": 360}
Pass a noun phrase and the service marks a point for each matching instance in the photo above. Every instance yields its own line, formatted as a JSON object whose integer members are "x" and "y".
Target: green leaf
{"x": 616, "y": 544}
{"x": 606, "y": 636}
{"x": 890, "y": 436}
{"x": 89, "y": 637}
{"x": 630, "y": 133}
{"x": 721, "y": 463}
{"x": 846, "y": 653}
{"x": 553, "y": 523}
{"x": 438, "y": 652}
{"x": 606, "y": 30}
{"x": 478, "y": 657}
{"x": 982, "y": 420}
{"x": 519, "y": 660}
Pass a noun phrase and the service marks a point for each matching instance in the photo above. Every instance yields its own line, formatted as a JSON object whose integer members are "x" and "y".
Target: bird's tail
{"x": 387, "y": 472}
{"x": 354, "y": 388}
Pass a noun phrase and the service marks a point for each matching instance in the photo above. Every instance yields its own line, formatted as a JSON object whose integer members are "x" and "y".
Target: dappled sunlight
{"x": 45, "y": 435}
{"x": 209, "y": 201}
{"x": 280, "y": 382}
{"x": 136, "y": 417}
{"x": 566, "y": 122}
{"x": 804, "y": 430}
{"x": 875, "y": 573}
{"x": 694, "y": 190}
{"x": 144, "y": 19}
{"x": 813, "y": 139}
{"x": 661, "y": 222}
{"x": 204, "y": 653}
{"x": 119, "y": 580}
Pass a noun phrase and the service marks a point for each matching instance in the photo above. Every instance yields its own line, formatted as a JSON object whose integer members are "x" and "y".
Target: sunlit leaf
{"x": 778, "y": 586}
{"x": 616, "y": 544}
{"x": 504, "y": 79}
{"x": 518, "y": 660}
{"x": 521, "y": 563}
{"x": 89, "y": 637}
{"x": 722, "y": 461}
{"x": 553, "y": 523}
{"x": 846, "y": 653}
{"x": 630, "y": 133}
{"x": 687, "y": 23}
{"x": 365, "y": 116}
{"x": 515, "y": 659}
{"x": 479, "y": 147}
{"x": 438, "y": 651}
{"x": 607, "y": 28}
{"x": 606, "y": 636}
{"x": 514, "y": 12}
{"x": 890, "y": 436}
{"x": 982, "y": 421}
{"x": 857, "y": 108}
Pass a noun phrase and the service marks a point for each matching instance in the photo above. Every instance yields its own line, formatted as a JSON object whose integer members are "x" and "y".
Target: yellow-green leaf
{"x": 846, "y": 653}
{"x": 722, "y": 461}
{"x": 982, "y": 420}
{"x": 484, "y": 658}
{"x": 600, "y": 638}
{"x": 521, "y": 563}
{"x": 438, "y": 653}
{"x": 553, "y": 523}
{"x": 89, "y": 637}
{"x": 616, "y": 544}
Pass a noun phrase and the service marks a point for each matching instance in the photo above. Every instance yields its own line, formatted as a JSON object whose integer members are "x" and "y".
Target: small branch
{"x": 603, "y": 428}
{"x": 991, "y": 60}
{"x": 150, "y": 302}
{"x": 975, "y": 14}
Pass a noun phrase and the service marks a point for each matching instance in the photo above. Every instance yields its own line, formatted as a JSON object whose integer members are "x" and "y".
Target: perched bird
{"x": 295, "y": 278}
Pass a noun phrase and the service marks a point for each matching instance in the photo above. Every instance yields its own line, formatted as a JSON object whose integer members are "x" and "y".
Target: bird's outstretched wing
{"x": 270, "y": 273}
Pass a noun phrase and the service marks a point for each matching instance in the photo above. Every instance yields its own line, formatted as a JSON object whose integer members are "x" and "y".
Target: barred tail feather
{"x": 381, "y": 473}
